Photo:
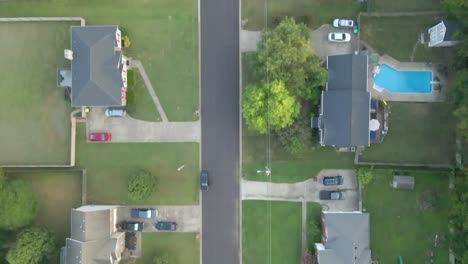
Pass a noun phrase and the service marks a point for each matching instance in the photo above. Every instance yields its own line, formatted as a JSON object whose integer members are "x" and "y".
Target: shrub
{"x": 126, "y": 42}
{"x": 34, "y": 245}
{"x": 161, "y": 259}
{"x": 141, "y": 185}
{"x": 365, "y": 176}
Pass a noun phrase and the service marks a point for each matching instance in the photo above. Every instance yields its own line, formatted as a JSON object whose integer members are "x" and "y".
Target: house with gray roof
{"x": 98, "y": 66}
{"x": 345, "y": 103}
{"x": 443, "y": 34}
{"x": 345, "y": 238}
{"x": 94, "y": 237}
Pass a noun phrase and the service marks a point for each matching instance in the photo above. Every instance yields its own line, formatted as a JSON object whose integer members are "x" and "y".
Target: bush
{"x": 34, "y": 245}
{"x": 131, "y": 94}
{"x": 126, "y": 42}
{"x": 365, "y": 176}
{"x": 295, "y": 138}
{"x": 141, "y": 185}
{"x": 161, "y": 259}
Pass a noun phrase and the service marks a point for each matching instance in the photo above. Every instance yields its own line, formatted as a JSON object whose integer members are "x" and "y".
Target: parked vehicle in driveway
{"x": 343, "y": 23}
{"x": 166, "y": 226}
{"x": 115, "y": 112}
{"x": 134, "y": 226}
{"x": 204, "y": 184}
{"x": 146, "y": 213}
{"x": 330, "y": 195}
{"x": 339, "y": 37}
{"x": 333, "y": 180}
{"x": 104, "y": 136}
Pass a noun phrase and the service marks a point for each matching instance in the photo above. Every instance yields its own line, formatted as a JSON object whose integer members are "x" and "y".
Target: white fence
{"x": 43, "y": 19}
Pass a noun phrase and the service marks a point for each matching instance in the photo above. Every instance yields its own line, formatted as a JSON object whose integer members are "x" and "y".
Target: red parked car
{"x": 105, "y": 136}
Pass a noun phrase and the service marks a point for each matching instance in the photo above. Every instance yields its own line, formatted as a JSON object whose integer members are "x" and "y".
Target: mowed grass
{"x": 109, "y": 164}
{"x": 164, "y": 36}
{"x": 181, "y": 248}
{"x": 418, "y": 133}
{"x": 34, "y": 117}
{"x": 404, "y": 5}
{"x": 399, "y": 227}
{"x": 271, "y": 233}
{"x": 397, "y": 37}
{"x": 314, "y": 13}
{"x": 144, "y": 107}
{"x": 57, "y": 192}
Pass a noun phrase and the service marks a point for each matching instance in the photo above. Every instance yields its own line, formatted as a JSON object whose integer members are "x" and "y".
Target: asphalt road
{"x": 219, "y": 37}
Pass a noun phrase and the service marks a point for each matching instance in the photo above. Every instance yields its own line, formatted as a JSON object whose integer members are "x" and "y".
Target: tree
{"x": 285, "y": 54}
{"x": 295, "y": 137}
{"x": 458, "y": 214}
{"x": 161, "y": 259}
{"x": 34, "y": 245}
{"x": 271, "y": 104}
{"x": 126, "y": 42}
{"x": 141, "y": 185}
{"x": 18, "y": 206}
{"x": 365, "y": 176}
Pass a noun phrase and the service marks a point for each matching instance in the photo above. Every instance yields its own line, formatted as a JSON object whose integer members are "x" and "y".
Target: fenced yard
{"x": 404, "y": 5}
{"x": 405, "y": 223}
{"x": 314, "y": 13}
{"x": 109, "y": 165}
{"x": 34, "y": 116}
{"x": 421, "y": 133}
{"x": 164, "y": 36}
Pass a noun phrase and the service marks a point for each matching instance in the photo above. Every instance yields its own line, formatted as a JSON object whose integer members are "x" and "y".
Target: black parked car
{"x": 331, "y": 195}
{"x": 333, "y": 180}
{"x": 166, "y": 226}
{"x": 146, "y": 213}
{"x": 204, "y": 184}
{"x": 134, "y": 226}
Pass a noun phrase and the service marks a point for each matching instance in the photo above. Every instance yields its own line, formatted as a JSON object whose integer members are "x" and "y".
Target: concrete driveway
{"x": 306, "y": 190}
{"x": 127, "y": 129}
{"x": 323, "y": 48}
{"x": 187, "y": 217}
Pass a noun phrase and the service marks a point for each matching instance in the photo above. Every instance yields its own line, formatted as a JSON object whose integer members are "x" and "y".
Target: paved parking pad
{"x": 187, "y": 217}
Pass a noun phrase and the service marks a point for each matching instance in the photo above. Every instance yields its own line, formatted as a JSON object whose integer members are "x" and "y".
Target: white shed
{"x": 403, "y": 182}
{"x": 442, "y": 34}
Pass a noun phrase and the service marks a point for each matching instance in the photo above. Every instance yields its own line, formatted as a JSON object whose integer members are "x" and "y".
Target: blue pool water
{"x": 403, "y": 81}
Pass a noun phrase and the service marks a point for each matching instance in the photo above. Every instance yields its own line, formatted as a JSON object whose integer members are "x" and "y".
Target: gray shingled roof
{"x": 346, "y": 102}
{"x": 348, "y": 238}
{"x": 91, "y": 225}
{"x": 96, "y": 77}
{"x": 450, "y": 29}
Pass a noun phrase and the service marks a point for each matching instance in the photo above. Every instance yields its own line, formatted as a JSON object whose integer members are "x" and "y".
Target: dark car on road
{"x": 134, "y": 226}
{"x": 331, "y": 195}
{"x": 332, "y": 180}
{"x": 204, "y": 184}
{"x": 166, "y": 226}
{"x": 146, "y": 213}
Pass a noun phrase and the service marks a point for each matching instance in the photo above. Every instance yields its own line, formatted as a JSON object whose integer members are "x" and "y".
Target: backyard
{"x": 34, "y": 116}
{"x": 164, "y": 36}
{"x": 406, "y": 47}
{"x": 110, "y": 164}
{"x": 271, "y": 233}
{"x": 181, "y": 248}
{"x": 314, "y": 13}
{"x": 404, "y": 5}
{"x": 57, "y": 192}
{"x": 418, "y": 133}
{"x": 405, "y": 223}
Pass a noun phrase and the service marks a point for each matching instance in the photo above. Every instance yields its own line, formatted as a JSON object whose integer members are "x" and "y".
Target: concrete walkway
{"x": 157, "y": 103}
{"x": 304, "y": 227}
{"x": 128, "y": 129}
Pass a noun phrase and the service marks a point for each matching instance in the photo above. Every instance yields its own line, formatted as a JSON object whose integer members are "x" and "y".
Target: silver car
{"x": 115, "y": 112}
{"x": 343, "y": 23}
{"x": 339, "y": 37}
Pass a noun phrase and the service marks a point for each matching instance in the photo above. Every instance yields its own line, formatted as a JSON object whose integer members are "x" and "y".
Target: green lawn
{"x": 144, "y": 108}
{"x": 58, "y": 192}
{"x": 181, "y": 248}
{"x": 418, "y": 133}
{"x": 34, "y": 117}
{"x": 377, "y": 32}
{"x": 404, "y": 5}
{"x": 164, "y": 36}
{"x": 108, "y": 166}
{"x": 312, "y": 12}
{"x": 278, "y": 227}
{"x": 399, "y": 227}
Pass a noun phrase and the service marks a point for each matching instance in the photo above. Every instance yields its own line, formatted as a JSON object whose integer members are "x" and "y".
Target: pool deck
{"x": 437, "y": 95}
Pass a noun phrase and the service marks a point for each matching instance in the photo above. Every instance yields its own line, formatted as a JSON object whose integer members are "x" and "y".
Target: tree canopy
{"x": 458, "y": 214}
{"x": 141, "y": 185}
{"x": 269, "y": 103}
{"x": 33, "y": 246}
{"x": 18, "y": 206}
{"x": 285, "y": 54}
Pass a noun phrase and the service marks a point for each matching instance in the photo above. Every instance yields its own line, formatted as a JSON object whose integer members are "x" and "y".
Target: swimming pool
{"x": 403, "y": 81}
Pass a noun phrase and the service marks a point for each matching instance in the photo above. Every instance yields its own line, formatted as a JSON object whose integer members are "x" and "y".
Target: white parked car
{"x": 344, "y": 23}
{"x": 339, "y": 37}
